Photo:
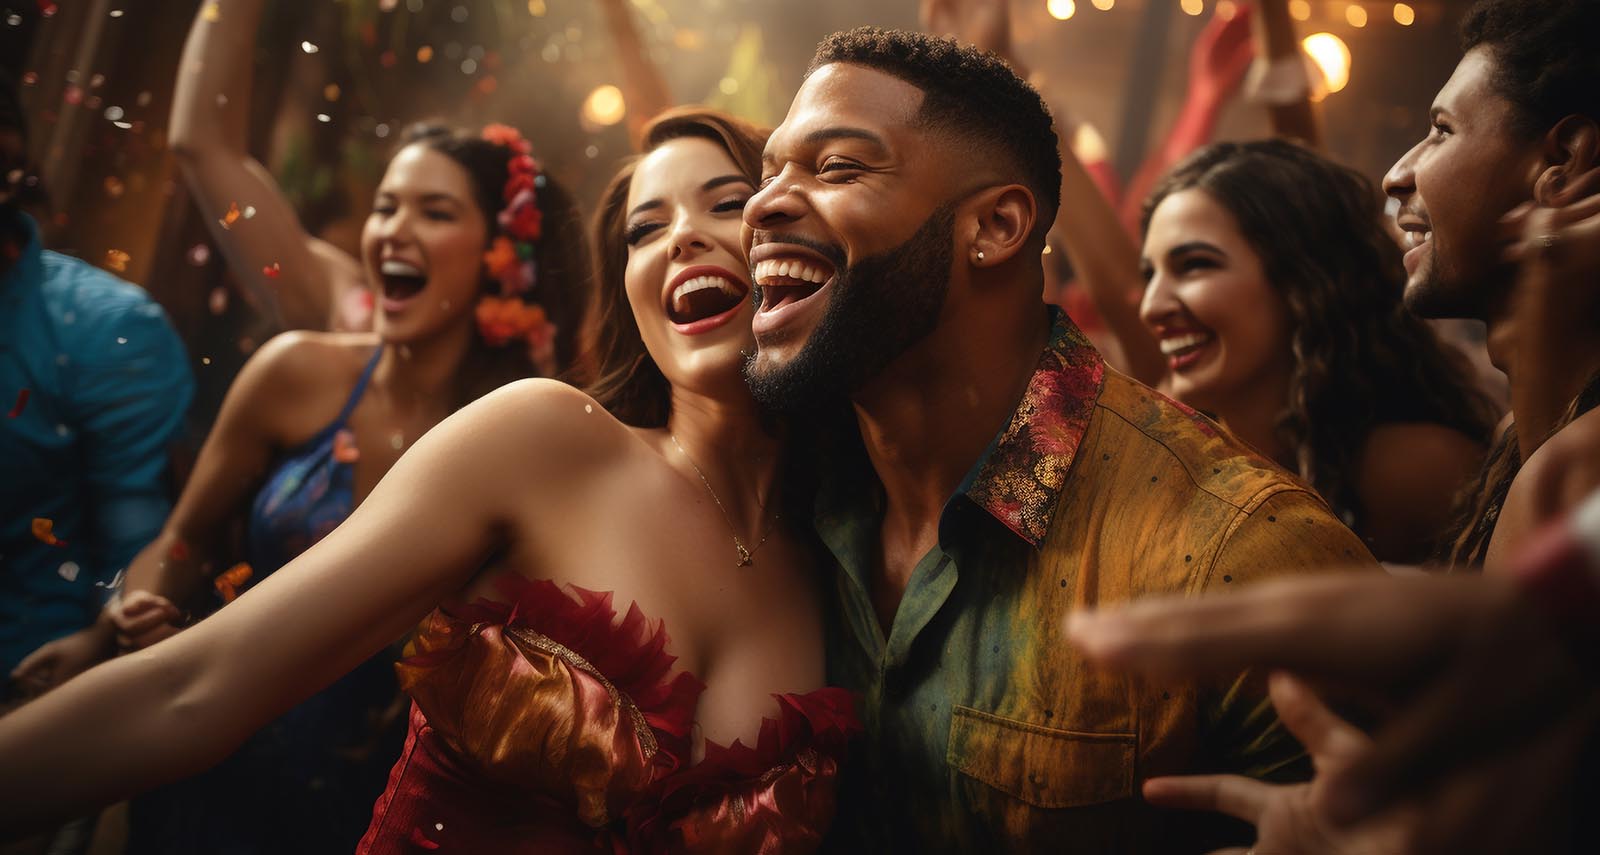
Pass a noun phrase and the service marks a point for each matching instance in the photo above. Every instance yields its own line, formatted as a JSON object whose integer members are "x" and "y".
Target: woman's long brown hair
{"x": 618, "y": 371}
{"x": 1360, "y": 359}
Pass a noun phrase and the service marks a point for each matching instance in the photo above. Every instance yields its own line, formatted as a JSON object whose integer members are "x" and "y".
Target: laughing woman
{"x": 1274, "y": 292}
{"x": 546, "y": 717}
{"x": 308, "y": 428}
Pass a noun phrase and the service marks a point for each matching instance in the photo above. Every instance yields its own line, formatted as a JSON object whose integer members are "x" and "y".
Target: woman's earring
{"x": 980, "y": 255}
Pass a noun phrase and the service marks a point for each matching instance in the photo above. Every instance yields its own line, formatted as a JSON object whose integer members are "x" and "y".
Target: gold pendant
{"x": 744, "y": 555}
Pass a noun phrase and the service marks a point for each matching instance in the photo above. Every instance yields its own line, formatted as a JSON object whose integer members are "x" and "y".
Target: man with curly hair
{"x": 998, "y": 475}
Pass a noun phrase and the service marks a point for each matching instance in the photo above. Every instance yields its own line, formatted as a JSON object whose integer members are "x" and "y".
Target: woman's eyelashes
{"x": 637, "y": 232}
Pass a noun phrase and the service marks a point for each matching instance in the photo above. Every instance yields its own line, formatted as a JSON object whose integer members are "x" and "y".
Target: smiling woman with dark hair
{"x": 1275, "y": 293}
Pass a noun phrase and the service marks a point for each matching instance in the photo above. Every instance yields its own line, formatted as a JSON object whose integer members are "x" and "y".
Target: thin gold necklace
{"x": 746, "y": 556}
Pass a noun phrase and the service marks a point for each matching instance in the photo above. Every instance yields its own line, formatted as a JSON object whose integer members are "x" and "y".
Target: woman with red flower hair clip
{"x": 315, "y": 419}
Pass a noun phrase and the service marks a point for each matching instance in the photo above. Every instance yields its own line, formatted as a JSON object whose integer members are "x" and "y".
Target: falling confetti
{"x": 308, "y": 47}
{"x": 218, "y": 301}
{"x": 199, "y": 254}
{"x": 179, "y": 551}
{"x": 43, "y": 529}
{"x": 117, "y": 260}
{"x": 22, "y": 401}
{"x": 344, "y": 447}
{"x": 424, "y": 53}
{"x": 271, "y": 271}
{"x": 69, "y": 571}
{"x": 249, "y": 211}
{"x": 230, "y": 580}
{"x": 231, "y": 217}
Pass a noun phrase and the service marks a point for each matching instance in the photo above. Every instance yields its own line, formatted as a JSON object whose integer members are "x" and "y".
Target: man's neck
{"x": 928, "y": 417}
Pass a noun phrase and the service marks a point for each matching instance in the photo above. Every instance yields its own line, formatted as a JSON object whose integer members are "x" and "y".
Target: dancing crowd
{"x": 779, "y": 511}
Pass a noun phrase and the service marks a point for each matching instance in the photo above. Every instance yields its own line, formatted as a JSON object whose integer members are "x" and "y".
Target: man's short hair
{"x": 1546, "y": 55}
{"x": 971, "y": 94}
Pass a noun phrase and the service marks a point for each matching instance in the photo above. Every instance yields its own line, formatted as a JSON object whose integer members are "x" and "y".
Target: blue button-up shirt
{"x": 107, "y": 385}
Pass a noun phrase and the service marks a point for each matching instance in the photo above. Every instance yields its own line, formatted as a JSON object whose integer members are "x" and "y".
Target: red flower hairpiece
{"x": 510, "y": 259}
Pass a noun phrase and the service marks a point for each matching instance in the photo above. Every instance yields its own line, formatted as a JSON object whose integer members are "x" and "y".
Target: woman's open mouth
{"x": 1185, "y": 349}
{"x": 703, "y": 298}
{"x": 400, "y": 281}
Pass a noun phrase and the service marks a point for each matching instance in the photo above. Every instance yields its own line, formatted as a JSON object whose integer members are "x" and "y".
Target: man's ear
{"x": 1004, "y": 220}
{"x": 1571, "y": 149}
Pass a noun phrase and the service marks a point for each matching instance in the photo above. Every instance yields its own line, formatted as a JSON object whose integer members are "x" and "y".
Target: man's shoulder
{"x": 78, "y": 294}
{"x": 1142, "y": 421}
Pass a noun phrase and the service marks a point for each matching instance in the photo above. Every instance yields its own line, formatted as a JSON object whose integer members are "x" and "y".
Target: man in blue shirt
{"x": 94, "y": 384}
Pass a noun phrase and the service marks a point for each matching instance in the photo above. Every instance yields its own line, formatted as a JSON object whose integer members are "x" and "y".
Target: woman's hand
{"x": 141, "y": 618}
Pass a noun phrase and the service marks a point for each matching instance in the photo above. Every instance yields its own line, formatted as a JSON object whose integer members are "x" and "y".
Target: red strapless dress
{"x": 574, "y": 737}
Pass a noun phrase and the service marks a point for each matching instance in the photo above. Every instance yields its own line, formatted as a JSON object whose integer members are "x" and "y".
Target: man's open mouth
{"x": 788, "y": 280}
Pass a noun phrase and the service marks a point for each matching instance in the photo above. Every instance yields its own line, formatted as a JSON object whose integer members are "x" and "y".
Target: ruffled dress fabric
{"x": 574, "y": 737}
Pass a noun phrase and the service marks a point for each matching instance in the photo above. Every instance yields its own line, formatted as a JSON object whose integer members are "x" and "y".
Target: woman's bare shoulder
{"x": 543, "y": 428}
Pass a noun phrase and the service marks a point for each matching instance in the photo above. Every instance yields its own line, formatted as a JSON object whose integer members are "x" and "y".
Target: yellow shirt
{"x": 986, "y": 731}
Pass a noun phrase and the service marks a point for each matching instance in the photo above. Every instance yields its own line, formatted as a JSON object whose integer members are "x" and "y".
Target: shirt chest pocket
{"x": 1041, "y": 766}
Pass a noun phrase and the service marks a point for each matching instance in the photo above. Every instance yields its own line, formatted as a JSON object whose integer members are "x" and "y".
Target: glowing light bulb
{"x": 1061, "y": 9}
{"x": 1332, "y": 57}
{"x": 604, "y": 106}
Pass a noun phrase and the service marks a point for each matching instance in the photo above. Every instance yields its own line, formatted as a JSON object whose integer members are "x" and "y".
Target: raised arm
{"x": 161, "y": 713}
{"x": 644, "y": 88}
{"x": 1106, "y": 261}
{"x": 1290, "y": 111}
{"x": 210, "y": 110}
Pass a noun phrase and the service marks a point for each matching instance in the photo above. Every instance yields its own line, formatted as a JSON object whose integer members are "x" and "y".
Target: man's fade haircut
{"x": 1546, "y": 56}
{"x": 971, "y": 94}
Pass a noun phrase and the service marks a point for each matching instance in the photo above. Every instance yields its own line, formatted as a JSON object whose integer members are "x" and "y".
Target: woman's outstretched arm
{"x": 210, "y": 112}
{"x": 175, "y": 708}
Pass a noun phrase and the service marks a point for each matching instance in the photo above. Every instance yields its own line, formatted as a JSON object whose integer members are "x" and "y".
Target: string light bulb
{"x": 1061, "y": 10}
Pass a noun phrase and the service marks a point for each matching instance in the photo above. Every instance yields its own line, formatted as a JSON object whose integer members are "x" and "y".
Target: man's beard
{"x": 877, "y": 309}
{"x": 1442, "y": 294}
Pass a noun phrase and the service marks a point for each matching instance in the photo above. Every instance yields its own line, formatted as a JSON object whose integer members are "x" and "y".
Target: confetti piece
{"x": 344, "y": 447}
{"x": 212, "y": 13}
{"x": 249, "y": 212}
{"x": 231, "y": 217}
{"x": 397, "y": 441}
{"x": 22, "y": 401}
{"x": 331, "y": 92}
{"x": 47, "y": 8}
{"x": 230, "y": 580}
{"x": 271, "y": 271}
{"x": 218, "y": 301}
{"x": 43, "y": 529}
{"x": 425, "y": 53}
{"x": 69, "y": 571}
{"x": 199, "y": 254}
{"x": 117, "y": 260}
{"x": 308, "y": 47}
{"x": 179, "y": 551}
